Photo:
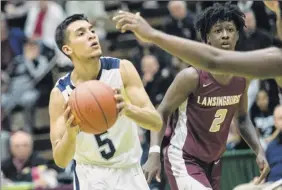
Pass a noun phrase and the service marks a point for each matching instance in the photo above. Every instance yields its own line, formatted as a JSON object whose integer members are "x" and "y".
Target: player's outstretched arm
{"x": 140, "y": 109}
{"x": 183, "y": 85}
{"x": 62, "y": 129}
{"x": 266, "y": 63}
{"x": 248, "y": 133}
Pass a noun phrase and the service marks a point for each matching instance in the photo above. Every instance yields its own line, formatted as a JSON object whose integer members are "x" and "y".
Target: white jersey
{"x": 119, "y": 147}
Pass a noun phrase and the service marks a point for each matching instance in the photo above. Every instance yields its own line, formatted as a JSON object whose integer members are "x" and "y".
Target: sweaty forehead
{"x": 78, "y": 25}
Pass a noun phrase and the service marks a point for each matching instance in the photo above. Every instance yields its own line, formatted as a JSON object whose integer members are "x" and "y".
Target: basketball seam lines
{"x": 105, "y": 118}
{"x": 80, "y": 112}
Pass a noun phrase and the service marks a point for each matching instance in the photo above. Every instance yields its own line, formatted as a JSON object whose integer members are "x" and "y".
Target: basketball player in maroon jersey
{"x": 205, "y": 104}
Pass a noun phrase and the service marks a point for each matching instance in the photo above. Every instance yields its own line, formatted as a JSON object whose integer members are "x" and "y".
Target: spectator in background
{"x": 16, "y": 12}
{"x": 42, "y": 19}
{"x": 258, "y": 8}
{"x": 93, "y": 10}
{"x": 28, "y": 68}
{"x": 155, "y": 81}
{"x": 143, "y": 49}
{"x": 254, "y": 38}
{"x": 12, "y": 40}
{"x": 262, "y": 118}
{"x": 181, "y": 21}
{"x": 274, "y": 158}
{"x": 18, "y": 167}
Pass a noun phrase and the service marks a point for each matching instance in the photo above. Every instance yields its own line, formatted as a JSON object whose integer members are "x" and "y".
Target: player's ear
{"x": 237, "y": 36}
{"x": 67, "y": 50}
{"x": 208, "y": 39}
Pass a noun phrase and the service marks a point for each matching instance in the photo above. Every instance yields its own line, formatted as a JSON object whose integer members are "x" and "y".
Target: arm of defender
{"x": 141, "y": 110}
{"x": 246, "y": 128}
{"x": 184, "y": 84}
{"x": 266, "y": 63}
{"x": 63, "y": 144}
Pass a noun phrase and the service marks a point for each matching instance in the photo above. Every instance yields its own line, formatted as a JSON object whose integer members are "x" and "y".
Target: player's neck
{"x": 85, "y": 71}
{"x": 222, "y": 79}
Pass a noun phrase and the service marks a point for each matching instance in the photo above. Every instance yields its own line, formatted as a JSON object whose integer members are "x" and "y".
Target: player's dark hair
{"x": 219, "y": 12}
{"x": 61, "y": 34}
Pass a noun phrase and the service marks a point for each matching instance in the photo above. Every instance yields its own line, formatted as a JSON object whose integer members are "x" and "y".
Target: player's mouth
{"x": 94, "y": 45}
{"x": 225, "y": 45}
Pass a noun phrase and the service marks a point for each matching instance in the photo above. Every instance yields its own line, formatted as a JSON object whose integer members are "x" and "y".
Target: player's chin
{"x": 96, "y": 53}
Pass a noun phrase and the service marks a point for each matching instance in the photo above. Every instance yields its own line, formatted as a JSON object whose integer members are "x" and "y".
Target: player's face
{"x": 223, "y": 35}
{"x": 82, "y": 41}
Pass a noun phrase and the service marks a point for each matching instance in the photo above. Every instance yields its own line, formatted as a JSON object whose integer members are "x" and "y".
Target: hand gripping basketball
{"x": 121, "y": 105}
{"x": 71, "y": 125}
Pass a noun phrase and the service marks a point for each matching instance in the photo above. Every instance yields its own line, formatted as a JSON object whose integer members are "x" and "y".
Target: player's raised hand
{"x": 126, "y": 21}
{"x": 152, "y": 168}
{"x": 70, "y": 121}
{"x": 264, "y": 168}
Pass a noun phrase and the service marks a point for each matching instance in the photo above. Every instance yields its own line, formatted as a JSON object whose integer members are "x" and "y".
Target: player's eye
{"x": 217, "y": 31}
{"x": 80, "y": 33}
{"x": 93, "y": 31}
{"x": 231, "y": 30}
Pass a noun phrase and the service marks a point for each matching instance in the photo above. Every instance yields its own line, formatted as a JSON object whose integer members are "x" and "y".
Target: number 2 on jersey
{"x": 108, "y": 148}
{"x": 218, "y": 119}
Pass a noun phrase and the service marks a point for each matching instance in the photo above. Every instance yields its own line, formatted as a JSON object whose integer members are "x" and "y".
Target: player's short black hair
{"x": 61, "y": 34}
{"x": 219, "y": 12}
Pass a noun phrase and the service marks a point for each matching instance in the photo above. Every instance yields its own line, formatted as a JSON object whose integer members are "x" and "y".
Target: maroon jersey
{"x": 201, "y": 124}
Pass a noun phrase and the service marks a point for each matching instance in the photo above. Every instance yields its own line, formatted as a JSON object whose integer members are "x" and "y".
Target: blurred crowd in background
{"x": 31, "y": 64}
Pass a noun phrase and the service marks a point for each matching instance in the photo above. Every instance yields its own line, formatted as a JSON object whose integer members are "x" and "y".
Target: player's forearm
{"x": 64, "y": 151}
{"x": 157, "y": 137}
{"x": 147, "y": 118}
{"x": 248, "y": 133}
{"x": 192, "y": 52}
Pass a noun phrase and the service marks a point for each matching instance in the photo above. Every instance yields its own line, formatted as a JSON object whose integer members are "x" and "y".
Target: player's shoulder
{"x": 190, "y": 73}
{"x": 187, "y": 79}
{"x": 63, "y": 82}
{"x": 109, "y": 63}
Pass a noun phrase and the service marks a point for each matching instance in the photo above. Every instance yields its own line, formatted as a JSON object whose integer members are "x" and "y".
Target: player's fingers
{"x": 70, "y": 121}
{"x": 263, "y": 175}
{"x": 116, "y": 90}
{"x": 158, "y": 176}
{"x": 118, "y": 98}
{"x": 127, "y": 27}
{"x": 123, "y": 21}
{"x": 120, "y": 106}
{"x": 150, "y": 177}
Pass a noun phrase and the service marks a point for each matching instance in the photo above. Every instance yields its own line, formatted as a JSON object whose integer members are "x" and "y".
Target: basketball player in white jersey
{"x": 109, "y": 161}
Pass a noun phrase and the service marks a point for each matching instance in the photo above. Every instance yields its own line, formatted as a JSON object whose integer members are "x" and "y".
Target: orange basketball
{"x": 94, "y": 106}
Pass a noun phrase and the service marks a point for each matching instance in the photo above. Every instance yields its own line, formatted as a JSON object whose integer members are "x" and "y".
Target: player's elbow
{"x": 60, "y": 163}
{"x": 158, "y": 125}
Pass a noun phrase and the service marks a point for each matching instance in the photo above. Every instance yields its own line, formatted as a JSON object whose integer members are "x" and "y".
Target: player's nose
{"x": 225, "y": 34}
{"x": 91, "y": 36}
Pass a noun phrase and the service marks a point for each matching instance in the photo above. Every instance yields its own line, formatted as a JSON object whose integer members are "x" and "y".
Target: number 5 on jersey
{"x": 106, "y": 146}
{"x": 218, "y": 120}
